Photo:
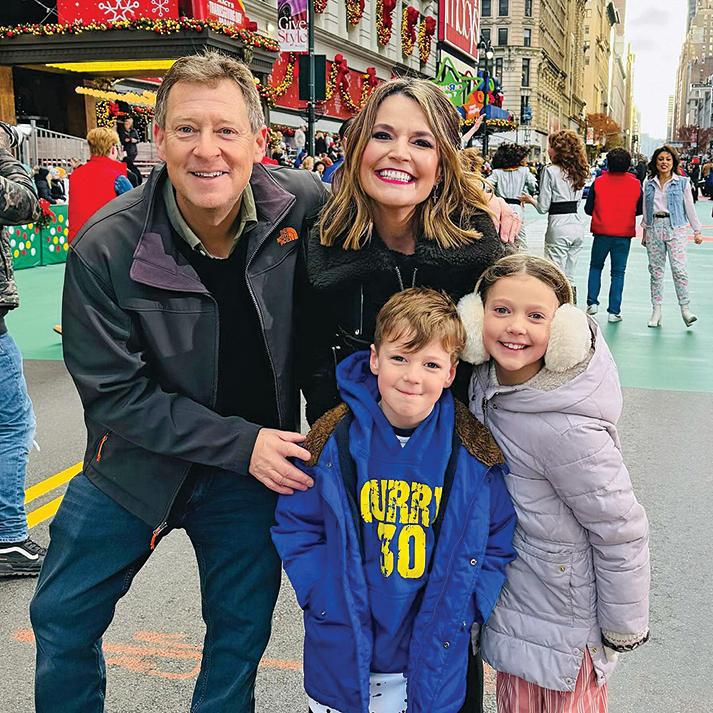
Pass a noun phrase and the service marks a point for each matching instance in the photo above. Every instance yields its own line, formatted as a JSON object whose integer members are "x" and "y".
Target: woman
{"x": 668, "y": 209}
{"x": 501, "y": 212}
{"x": 510, "y": 179}
{"x": 561, "y": 187}
{"x": 307, "y": 163}
{"x": 404, "y": 213}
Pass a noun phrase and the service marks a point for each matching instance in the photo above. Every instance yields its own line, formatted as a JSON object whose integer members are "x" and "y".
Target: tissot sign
{"x": 459, "y": 25}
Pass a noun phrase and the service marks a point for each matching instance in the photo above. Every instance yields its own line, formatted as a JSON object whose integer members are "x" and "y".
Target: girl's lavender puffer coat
{"x": 582, "y": 537}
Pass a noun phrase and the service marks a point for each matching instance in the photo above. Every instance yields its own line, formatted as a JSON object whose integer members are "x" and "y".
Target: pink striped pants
{"x": 515, "y": 695}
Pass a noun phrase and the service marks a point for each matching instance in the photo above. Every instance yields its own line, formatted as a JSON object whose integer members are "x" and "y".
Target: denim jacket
{"x": 674, "y": 195}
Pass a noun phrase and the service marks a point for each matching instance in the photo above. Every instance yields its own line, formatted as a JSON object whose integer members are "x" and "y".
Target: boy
{"x": 401, "y": 545}
{"x": 614, "y": 201}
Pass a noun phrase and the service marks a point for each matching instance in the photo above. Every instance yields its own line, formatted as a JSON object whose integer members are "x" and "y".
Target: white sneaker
{"x": 655, "y": 320}
{"x": 688, "y": 317}
{"x": 615, "y": 317}
{"x": 593, "y": 309}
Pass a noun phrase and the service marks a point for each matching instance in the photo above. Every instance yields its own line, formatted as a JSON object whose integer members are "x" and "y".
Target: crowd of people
{"x": 292, "y": 151}
{"x": 432, "y": 518}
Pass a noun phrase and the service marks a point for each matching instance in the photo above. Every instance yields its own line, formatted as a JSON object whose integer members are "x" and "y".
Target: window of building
{"x": 527, "y": 37}
{"x": 502, "y": 36}
{"x": 525, "y": 72}
{"x": 499, "y": 68}
{"x": 528, "y": 8}
{"x": 485, "y": 9}
{"x": 485, "y": 33}
{"x": 524, "y": 103}
{"x": 503, "y": 8}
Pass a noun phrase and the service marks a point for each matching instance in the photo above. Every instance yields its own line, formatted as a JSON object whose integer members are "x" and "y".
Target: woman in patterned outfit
{"x": 668, "y": 210}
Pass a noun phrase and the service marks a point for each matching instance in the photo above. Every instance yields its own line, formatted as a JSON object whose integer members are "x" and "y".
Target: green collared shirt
{"x": 247, "y": 217}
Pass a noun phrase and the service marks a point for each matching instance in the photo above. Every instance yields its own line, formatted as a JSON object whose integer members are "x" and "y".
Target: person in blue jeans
{"x": 178, "y": 319}
{"x": 614, "y": 201}
{"x": 19, "y": 555}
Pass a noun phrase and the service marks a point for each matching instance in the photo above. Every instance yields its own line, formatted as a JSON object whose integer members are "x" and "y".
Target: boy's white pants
{"x": 387, "y": 695}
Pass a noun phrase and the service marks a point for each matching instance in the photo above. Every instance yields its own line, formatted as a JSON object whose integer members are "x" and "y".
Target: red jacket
{"x": 91, "y": 186}
{"x": 614, "y": 201}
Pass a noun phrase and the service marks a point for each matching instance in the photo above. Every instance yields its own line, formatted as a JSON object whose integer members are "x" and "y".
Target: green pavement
{"x": 671, "y": 357}
{"x": 40, "y": 306}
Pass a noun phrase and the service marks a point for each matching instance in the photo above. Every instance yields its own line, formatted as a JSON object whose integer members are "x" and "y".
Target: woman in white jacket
{"x": 510, "y": 179}
{"x": 561, "y": 188}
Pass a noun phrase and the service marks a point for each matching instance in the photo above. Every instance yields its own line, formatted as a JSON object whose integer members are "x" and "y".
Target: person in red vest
{"x": 94, "y": 184}
{"x": 614, "y": 201}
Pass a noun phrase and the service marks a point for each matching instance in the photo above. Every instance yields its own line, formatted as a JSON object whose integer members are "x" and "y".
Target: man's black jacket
{"x": 140, "y": 334}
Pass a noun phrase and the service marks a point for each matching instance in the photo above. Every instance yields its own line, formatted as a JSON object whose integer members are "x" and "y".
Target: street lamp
{"x": 485, "y": 50}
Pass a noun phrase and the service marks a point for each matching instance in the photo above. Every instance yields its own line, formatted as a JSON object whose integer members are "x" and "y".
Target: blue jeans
{"x": 618, "y": 250}
{"x": 17, "y": 429}
{"x": 96, "y": 549}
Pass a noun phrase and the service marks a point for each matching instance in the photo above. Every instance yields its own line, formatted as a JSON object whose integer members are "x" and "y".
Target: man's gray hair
{"x": 210, "y": 68}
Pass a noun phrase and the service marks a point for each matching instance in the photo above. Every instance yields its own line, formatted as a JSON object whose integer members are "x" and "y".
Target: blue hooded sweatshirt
{"x": 399, "y": 491}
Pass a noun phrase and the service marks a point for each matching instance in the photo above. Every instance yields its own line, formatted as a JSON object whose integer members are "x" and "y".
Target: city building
{"x": 669, "y": 117}
{"x": 359, "y": 48}
{"x": 600, "y": 18}
{"x": 695, "y": 65}
{"x": 538, "y": 59}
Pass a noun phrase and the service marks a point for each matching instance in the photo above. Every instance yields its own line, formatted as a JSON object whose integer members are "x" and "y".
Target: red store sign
{"x": 459, "y": 25}
{"x": 228, "y": 12}
{"x": 85, "y": 11}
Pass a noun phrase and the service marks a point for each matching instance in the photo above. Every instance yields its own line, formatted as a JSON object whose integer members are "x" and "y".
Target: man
{"x": 178, "y": 321}
{"x": 615, "y": 199}
{"x": 19, "y": 555}
{"x": 129, "y": 142}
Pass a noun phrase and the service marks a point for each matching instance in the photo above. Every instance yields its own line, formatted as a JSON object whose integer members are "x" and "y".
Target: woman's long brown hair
{"x": 570, "y": 157}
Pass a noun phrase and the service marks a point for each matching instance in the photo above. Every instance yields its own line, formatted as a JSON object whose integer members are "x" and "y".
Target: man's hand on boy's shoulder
{"x": 270, "y": 465}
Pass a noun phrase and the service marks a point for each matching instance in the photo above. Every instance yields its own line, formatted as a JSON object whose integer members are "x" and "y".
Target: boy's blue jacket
{"x": 318, "y": 537}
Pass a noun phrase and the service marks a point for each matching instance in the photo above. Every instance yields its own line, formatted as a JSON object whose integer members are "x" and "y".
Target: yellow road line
{"x": 44, "y": 512}
{"x": 54, "y": 481}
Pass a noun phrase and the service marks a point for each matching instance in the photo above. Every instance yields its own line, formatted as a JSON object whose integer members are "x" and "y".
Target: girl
{"x": 561, "y": 187}
{"x": 668, "y": 208}
{"x": 510, "y": 179}
{"x": 546, "y": 385}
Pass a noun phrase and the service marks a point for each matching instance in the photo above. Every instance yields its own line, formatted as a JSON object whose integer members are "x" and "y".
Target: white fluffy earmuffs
{"x": 569, "y": 344}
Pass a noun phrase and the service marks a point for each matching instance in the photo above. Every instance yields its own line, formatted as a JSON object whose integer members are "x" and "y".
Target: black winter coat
{"x": 351, "y": 286}
{"x": 141, "y": 339}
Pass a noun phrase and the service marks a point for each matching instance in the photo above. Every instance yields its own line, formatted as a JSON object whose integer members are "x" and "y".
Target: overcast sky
{"x": 656, "y": 30}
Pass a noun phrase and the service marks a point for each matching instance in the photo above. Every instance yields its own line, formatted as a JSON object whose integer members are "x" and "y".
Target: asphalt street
{"x": 153, "y": 647}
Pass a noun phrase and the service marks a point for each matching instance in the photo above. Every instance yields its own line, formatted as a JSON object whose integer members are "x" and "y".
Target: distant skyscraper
{"x": 692, "y": 4}
{"x": 669, "y": 119}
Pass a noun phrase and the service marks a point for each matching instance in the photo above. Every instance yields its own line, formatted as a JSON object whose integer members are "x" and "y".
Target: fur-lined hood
{"x": 330, "y": 267}
{"x": 476, "y": 439}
